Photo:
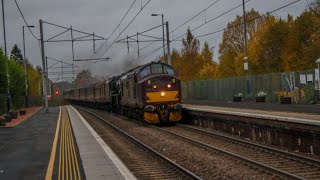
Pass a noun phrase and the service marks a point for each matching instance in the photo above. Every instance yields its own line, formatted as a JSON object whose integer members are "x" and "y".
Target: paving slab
{"x": 25, "y": 149}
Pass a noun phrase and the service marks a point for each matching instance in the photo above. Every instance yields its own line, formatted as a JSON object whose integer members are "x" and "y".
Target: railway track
{"x": 280, "y": 163}
{"x": 142, "y": 160}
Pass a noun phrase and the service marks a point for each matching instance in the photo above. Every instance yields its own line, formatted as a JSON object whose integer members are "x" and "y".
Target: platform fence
{"x": 18, "y": 102}
{"x": 275, "y": 85}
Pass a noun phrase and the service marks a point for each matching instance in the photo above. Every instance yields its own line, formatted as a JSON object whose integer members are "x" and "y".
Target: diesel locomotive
{"x": 151, "y": 93}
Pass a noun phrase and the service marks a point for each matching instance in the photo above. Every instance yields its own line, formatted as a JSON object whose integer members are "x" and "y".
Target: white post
{"x": 318, "y": 62}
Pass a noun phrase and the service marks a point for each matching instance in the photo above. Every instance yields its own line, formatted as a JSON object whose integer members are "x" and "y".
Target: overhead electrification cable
{"x": 252, "y": 19}
{"x": 126, "y": 27}
{"x": 215, "y": 18}
{"x": 221, "y": 30}
{"x": 27, "y": 25}
{"x": 116, "y": 26}
{"x": 202, "y": 11}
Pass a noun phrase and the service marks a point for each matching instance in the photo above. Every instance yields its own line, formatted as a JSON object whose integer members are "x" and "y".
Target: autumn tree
{"x": 266, "y": 46}
{"x": 176, "y": 61}
{"x": 233, "y": 43}
{"x": 190, "y": 57}
{"x": 315, "y": 7}
{"x": 303, "y": 46}
{"x": 209, "y": 67}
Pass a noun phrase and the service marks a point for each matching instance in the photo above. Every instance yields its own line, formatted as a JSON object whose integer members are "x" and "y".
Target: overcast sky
{"x": 102, "y": 16}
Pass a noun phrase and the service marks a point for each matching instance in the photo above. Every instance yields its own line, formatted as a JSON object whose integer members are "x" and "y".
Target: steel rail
{"x": 182, "y": 169}
{"x": 230, "y": 154}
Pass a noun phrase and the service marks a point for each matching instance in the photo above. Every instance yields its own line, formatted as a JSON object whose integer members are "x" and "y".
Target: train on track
{"x": 151, "y": 93}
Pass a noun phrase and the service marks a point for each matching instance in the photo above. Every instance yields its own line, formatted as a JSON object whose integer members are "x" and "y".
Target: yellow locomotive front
{"x": 161, "y": 93}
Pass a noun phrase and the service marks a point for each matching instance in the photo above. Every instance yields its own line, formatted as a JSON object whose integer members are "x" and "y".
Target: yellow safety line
{"x": 68, "y": 147}
{"x": 75, "y": 156}
{"x": 64, "y": 171}
{"x": 63, "y": 146}
{"x": 54, "y": 149}
{"x": 71, "y": 151}
{"x": 68, "y": 162}
{"x": 60, "y": 156}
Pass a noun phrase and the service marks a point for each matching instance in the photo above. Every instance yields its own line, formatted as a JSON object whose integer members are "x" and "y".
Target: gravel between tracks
{"x": 204, "y": 163}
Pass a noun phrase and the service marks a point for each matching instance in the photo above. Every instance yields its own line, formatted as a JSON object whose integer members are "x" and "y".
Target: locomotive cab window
{"x": 145, "y": 71}
{"x": 168, "y": 70}
{"x": 156, "y": 68}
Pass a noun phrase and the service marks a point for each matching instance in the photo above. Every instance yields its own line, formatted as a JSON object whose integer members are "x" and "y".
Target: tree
{"x": 176, "y": 61}
{"x": 267, "y": 46}
{"x": 3, "y": 76}
{"x": 16, "y": 54}
{"x": 17, "y": 85}
{"x": 84, "y": 78}
{"x": 233, "y": 43}
{"x": 303, "y": 45}
{"x": 34, "y": 81}
{"x": 209, "y": 67}
{"x": 190, "y": 57}
{"x": 315, "y": 7}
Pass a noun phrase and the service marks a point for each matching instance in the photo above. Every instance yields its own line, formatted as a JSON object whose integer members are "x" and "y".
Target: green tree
{"x": 16, "y": 72}
{"x": 3, "y": 76}
{"x": 16, "y": 54}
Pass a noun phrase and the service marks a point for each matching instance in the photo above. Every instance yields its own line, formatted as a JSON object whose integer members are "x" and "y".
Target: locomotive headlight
{"x": 163, "y": 94}
{"x": 169, "y": 85}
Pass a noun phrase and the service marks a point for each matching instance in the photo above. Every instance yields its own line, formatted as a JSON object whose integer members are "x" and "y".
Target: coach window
{"x": 145, "y": 71}
{"x": 168, "y": 70}
{"x": 156, "y": 68}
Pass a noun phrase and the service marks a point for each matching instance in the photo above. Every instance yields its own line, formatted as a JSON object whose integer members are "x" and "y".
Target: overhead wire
{"x": 202, "y": 11}
{"x": 221, "y": 30}
{"x": 252, "y": 19}
{"x": 126, "y": 27}
{"x": 215, "y": 18}
{"x": 116, "y": 26}
{"x": 27, "y": 25}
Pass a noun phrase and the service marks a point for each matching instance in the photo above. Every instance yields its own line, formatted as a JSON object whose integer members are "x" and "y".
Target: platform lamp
{"x": 318, "y": 62}
{"x": 25, "y": 65}
{"x": 164, "y": 52}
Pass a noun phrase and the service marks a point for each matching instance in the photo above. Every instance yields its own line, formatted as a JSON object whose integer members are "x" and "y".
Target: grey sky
{"x": 102, "y": 16}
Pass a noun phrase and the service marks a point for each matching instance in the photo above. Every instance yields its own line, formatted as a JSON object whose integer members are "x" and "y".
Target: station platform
{"x": 296, "y": 108}
{"x": 25, "y": 149}
{"x": 297, "y": 113}
{"x": 59, "y": 144}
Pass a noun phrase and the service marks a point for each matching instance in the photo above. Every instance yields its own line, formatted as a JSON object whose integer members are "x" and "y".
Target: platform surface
{"x": 310, "y": 117}
{"x": 25, "y": 149}
{"x": 296, "y": 108}
{"x": 98, "y": 160}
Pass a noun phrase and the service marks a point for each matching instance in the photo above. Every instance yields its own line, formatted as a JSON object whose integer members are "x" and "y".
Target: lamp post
{"x": 318, "y": 62}
{"x": 5, "y": 53}
{"x": 164, "y": 52}
{"x": 25, "y": 65}
{"x": 246, "y": 64}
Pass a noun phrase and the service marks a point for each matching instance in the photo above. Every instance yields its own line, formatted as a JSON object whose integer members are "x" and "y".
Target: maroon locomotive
{"x": 151, "y": 92}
